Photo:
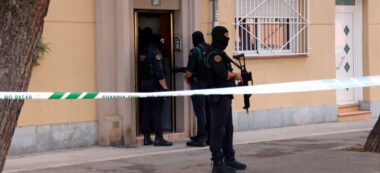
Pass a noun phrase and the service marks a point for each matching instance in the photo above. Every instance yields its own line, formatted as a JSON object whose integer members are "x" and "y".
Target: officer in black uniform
{"x": 153, "y": 81}
{"x": 220, "y": 75}
{"x": 195, "y": 76}
{"x": 145, "y": 37}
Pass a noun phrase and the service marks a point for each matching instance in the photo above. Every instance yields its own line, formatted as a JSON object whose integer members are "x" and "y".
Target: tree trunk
{"x": 373, "y": 140}
{"x": 21, "y": 25}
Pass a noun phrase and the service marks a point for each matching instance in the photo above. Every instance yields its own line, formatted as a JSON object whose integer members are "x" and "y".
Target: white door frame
{"x": 357, "y": 41}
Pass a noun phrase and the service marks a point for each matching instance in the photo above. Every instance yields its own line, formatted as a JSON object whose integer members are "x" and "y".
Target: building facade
{"x": 94, "y": 47}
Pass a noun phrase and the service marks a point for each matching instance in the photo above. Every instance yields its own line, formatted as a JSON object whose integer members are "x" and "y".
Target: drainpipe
{"x": 215, "y": 13}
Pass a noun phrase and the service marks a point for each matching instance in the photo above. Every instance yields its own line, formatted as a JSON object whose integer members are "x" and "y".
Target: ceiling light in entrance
{"x": 156, "y": 2}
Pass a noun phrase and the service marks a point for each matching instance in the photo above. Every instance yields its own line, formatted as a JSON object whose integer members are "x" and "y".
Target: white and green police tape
{"x": 301, "y": 86}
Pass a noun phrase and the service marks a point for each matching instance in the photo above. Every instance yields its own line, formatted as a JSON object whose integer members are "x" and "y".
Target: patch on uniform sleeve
{"x": 217, "y": 58}
{"x": 158, "y": 57}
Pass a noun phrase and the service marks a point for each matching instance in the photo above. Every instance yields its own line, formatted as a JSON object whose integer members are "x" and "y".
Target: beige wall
{"x": 165, "y": 5}
{"x": 206, "y": 18}
{"x": 69, "y": 66}
{"x": 320, "y": 64}
{"x": 371, "y": 31}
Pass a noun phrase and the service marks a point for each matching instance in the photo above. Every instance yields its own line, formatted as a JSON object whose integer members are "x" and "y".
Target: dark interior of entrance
{"x": 159, "y": 22}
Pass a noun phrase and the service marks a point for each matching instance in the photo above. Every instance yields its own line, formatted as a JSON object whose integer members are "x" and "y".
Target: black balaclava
{"x": 146, "y": 34}
{"x": 218, "y": 39}
{"x": 156, "y": 39}
{"x": 198, "y": 38}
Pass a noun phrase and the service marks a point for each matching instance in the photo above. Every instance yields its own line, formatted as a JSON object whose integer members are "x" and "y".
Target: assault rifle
{"x": 245, "y": 75}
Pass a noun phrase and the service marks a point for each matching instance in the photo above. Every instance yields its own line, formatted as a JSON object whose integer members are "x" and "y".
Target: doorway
{"x": 348, "y": 47}
{"x": 160, "y": 22}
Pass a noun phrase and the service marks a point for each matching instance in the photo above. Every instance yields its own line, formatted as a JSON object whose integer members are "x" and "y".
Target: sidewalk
{"x": 94, "y": 154}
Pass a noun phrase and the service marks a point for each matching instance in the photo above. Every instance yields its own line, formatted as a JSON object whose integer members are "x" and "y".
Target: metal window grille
{"x": 272, "y": 27}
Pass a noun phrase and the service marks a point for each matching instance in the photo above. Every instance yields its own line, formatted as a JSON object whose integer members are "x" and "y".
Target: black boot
{"x": 219, "y": 167}
{"x": 235, "y": 164}
{"x": 199, "y": 135}
{"x": 160, "y": 141}
{"x": 193, "y": 138}
{"x": 199, "y": 142}
{"x": 208, "y": 140}
{"x": 147, "y": 139}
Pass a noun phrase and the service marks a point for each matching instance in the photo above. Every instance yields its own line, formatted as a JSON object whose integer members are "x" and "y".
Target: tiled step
{"x": 349, "y": 108}
{"x": 355, "y": 115}
{"x": 168, "y": 136}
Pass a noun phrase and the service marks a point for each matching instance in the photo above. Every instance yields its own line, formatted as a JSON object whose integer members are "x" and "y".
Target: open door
{"x": 160, "y": 22}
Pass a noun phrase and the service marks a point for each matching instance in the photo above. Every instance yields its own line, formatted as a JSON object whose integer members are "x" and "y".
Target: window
{"x": 272, "y": 27}
{"x": 345, "y": 2}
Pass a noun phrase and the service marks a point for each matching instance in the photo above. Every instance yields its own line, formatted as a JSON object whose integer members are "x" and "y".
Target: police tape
{"x": 288, "y": 87}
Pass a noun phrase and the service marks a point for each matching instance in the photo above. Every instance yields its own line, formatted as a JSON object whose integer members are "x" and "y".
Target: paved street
{"x": 319, "y": 152}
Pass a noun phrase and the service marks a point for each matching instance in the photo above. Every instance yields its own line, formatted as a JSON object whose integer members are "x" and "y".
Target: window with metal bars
{"x": 272, "y": 27}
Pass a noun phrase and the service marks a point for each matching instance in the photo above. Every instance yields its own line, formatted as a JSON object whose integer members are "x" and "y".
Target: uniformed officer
{"x": 153, "y": 81}
{"x": 220, "y": 75}
{"x": 144, "y": 39}
{"x": 195, "y": 76}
